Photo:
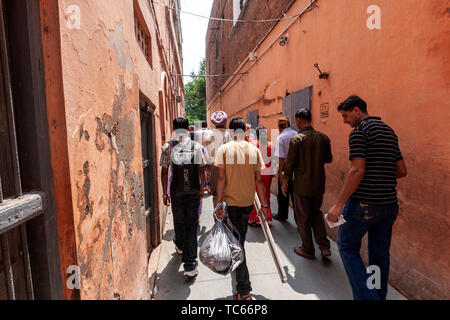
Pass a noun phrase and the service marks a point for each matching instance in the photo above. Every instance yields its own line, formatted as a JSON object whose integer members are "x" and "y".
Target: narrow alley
{"x": 94, "y": 96}
{"x": 307, "y": 279}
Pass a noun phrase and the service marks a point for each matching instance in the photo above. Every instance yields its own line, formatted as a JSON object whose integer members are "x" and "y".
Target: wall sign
{"x": 324, "y": 110}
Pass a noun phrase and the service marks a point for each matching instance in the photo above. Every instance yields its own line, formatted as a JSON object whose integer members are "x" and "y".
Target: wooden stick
{"x": 269, "y": 238}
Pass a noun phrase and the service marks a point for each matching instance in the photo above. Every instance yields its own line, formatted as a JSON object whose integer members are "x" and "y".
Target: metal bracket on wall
{"x": 322, "y": 75}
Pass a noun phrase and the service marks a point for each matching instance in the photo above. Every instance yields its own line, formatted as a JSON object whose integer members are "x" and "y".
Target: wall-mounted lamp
{"x": 322, "y": 75}
{"x": 284, "y": 40}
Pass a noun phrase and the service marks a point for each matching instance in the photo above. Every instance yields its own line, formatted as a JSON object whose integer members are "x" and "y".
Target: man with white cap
{"x": 281, "y": 151}
{"x": 219, "y": 120}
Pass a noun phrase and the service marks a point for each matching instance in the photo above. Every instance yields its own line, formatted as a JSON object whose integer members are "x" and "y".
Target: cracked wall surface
{"x": 104, "y": 75}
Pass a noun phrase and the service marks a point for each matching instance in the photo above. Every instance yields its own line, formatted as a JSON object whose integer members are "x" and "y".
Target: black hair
{"x": 259, "y": 129}
{"x": 204, "y": 124}
{"x": 180, "y": 123}
{"x": 237, "y": 123}
{"x": 351, "y": 102}
{"x": 304, "y": 114}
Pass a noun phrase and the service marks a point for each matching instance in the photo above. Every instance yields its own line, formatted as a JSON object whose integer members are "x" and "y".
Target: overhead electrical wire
{"x": 226, "y": 20}
{"x": 207, "y": 75}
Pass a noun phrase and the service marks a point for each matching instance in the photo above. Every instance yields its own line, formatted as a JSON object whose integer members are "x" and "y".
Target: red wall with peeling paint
{"x": 103, "y": 72}
{"x": 403, "y": 72}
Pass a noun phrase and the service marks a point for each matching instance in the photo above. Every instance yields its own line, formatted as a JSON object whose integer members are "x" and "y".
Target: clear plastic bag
{"x": 221, "y": 251}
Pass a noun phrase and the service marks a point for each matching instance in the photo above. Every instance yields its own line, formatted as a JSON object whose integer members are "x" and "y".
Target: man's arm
{"x": 261, "y": 190}
{"x": 329, "y": 155}
{"x": 201, "y": 174}
{"x": 165, "y": 163}
{"x": 290, "y": 165}
{"x": 281, "y": 162}
{"x": 354, "y": 177}
{"x": 220, "y": 188}
{"x": 164, "y": 179}
{"x": 401, "y": 169}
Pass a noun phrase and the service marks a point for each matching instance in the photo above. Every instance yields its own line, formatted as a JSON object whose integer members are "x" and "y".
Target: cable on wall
{"x": 226, "y": 20}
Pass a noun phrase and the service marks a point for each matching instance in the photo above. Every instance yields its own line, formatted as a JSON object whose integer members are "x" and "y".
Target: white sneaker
{"x": 192, "y": 273}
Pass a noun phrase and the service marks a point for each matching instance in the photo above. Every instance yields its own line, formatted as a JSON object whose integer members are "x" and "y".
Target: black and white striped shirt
{"x": 377, "y": 143}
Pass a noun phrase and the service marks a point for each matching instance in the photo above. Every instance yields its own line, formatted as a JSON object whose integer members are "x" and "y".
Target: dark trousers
{"x": 283, "y": 202}
{"x": 185, "y": 220}
{"x": 309, "y": 221}
{"x": 377, "y": 221}
{"x": 239, "y": 218}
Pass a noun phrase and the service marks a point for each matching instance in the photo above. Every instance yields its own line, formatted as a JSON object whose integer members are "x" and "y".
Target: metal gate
{"x": 295, "y": 101}
{"x": 15, "y": 207}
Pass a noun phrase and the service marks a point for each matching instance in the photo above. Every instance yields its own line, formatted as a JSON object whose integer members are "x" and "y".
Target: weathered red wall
{"x": 236, "y": 41}
{"x": 104, "y": 72}
{"x": 58, "y": 139}
{"x": 403, "y": 72}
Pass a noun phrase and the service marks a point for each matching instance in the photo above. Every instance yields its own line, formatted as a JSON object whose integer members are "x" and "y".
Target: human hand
{"x": 219, "y": 212}
{"x": 284, "y": 188}
{"x": 334, "y": 213}
{"x": 166, "y": 200}
{"x": 280, "y": 178}
{"x": 263, "y": 212}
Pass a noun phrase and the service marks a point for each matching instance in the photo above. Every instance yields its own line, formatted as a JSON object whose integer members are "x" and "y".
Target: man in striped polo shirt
{"x": 368, "y": 200}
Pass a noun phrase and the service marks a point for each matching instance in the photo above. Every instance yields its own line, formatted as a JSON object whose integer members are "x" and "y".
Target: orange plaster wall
{"x": 103, "y": 74}
{"x": 403, "y": 73}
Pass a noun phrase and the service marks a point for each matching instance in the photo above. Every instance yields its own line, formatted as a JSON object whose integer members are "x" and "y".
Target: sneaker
{"x": 326, "y": 253}
{"x": 191, "y": 273}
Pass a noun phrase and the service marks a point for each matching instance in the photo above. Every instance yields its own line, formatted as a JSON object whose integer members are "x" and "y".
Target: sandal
{"x": 238, "y": 296}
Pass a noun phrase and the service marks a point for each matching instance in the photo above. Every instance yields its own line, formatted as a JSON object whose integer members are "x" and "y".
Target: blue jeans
{"x": 377, "y": 220}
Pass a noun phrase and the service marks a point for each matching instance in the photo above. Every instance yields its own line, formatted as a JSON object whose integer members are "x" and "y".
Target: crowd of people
{"x": 237, "y": 163}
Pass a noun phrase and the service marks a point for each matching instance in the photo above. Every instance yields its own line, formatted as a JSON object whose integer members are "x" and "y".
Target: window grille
{"x": 143, "y": 34}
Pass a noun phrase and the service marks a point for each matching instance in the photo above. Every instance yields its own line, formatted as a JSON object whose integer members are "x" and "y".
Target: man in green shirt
{"x": 308, "y": 152}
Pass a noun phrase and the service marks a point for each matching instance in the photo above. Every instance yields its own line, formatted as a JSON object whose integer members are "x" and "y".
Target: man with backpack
{"x": 186, "y": 159}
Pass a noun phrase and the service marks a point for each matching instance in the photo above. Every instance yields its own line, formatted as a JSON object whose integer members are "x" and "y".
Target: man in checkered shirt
{"x": 187, "y": 161}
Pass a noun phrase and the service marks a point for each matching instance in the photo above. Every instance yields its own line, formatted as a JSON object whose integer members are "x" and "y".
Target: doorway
{"x": 147, "y": 117}
{"x": 298, "y": 100}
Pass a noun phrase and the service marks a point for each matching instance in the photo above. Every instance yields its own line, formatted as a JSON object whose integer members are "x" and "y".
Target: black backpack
{"x": 185, "y": 178}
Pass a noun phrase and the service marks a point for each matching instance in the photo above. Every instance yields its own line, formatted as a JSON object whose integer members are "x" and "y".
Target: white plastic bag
{"x": 221, "y": 251}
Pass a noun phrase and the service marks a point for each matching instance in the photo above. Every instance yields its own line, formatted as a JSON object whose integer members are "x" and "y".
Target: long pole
{"x": 269, "y": 238}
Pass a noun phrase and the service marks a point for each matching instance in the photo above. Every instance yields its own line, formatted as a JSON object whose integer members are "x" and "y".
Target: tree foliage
{"x": 195, "y": 95}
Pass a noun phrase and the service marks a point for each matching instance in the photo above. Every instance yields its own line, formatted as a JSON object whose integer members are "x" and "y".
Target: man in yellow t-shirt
{"x": 240, "y": 164}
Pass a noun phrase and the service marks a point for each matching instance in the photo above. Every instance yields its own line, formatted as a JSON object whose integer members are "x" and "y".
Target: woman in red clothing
{"x": 266, "y": 174}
